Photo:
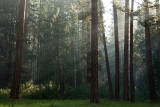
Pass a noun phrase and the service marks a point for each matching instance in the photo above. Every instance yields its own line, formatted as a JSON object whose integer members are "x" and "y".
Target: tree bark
{"x": 18, "y": 59}
{"x": 73, "y": 53}
{"x": 9, "y": 68}
{"x": 58, "y": 63}
{"x": 62, "y": 84}
{"x": 88, "y": 54}
{"x": 131, "y": 55}
{"x": 117, "y": 88}
{"x": 158, "y": 30}
{"x": 149, "y": 54}
{"x": 94, "y": 53}
{"x": 61, "y": 71}
{"x": 106, "y": 53}
{"x": 74, "y": 60}
{"x": 108, "y": 68}
{"x": 38, "y": 43}
{"x": 126, "y": 95}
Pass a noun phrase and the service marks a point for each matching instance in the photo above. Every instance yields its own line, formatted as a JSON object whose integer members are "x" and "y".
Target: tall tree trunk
{"x": 62, "y": 81}
{"x": 9, "y": 55}
{"x": 73, "y": 53}
{"x": 106, "y": 52}
{"x": 74, "y": 60}
{"x": 84, "y": 54}
{"x": 61, "y": 78}
{"x": 131, "y": 55}
{"x": 88, "y": 54}
{"x": 60, "y": 68}
{"x": 62, "y": 74}
{"x": 149, "y": 54}
{"x": 9, "y": 68}
{"x": 108, "y": 68}
{"x": 94, "y": 53}
{"x": 126, "y": 95}
{"x": 33, "y": 63}
{"x": 117, "y": 89}
{"x": 158, "y": 30}
{"x": 26, "y": 24}
{"x": 58, "y": 63}
{"x": 9, "y": 63}
{"x": 38, "y": 42}
{"x": 78, "y": 48}
{"x": 18, "y": 59}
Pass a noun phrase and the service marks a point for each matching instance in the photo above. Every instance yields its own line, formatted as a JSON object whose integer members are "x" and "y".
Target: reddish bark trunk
{"x": 108, "y": 68}
{"x": 149, "y": 54}
{"x": 94, "y": 53}
{"x": 117, "y": 89}
{"x": 88, "y": 54}
{"x": 158, "y": 30}
{"x": 18, "y": 59}
{"x": 126, "y": 95}
{"x": 74, "y": 60}
{"x": 106, "y": 54}
{"x": 131, "y": 55}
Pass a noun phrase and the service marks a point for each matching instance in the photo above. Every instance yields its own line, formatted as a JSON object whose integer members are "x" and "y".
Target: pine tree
{"x": 126, "y": 32}
{"x": 149, "y": 53}
{"x": 106, "y": 53}
{"x": 117, "y": 88}
{"x": 94, "y": 53}
{"x": 18, "y": 59}
{"x": 131, "y": 55}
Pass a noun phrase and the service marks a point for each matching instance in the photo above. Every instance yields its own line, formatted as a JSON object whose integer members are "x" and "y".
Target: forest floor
{"x": 72, "y": 103}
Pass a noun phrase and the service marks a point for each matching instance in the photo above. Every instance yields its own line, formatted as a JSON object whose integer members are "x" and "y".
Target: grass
{"x": 72, "y": 103}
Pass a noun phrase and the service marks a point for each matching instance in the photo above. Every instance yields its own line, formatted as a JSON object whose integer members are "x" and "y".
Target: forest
{"x": 79, "y": 53}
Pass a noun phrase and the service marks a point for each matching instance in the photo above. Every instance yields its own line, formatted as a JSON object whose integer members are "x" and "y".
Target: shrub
{"x": 52, "y": 91}
{"x": 49, "y": 91}
{"x": 80, "y": 92}
{"x": 4, "y": 93}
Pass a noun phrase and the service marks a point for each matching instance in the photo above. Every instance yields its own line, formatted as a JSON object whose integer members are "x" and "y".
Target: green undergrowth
{"x": 72, "y": 103}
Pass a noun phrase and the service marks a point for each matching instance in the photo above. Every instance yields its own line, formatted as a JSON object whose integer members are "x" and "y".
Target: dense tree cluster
{"x": 64, "y": 43}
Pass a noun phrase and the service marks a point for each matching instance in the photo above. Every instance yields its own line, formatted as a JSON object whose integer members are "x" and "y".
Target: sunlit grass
{"x": 71, "y": 103}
